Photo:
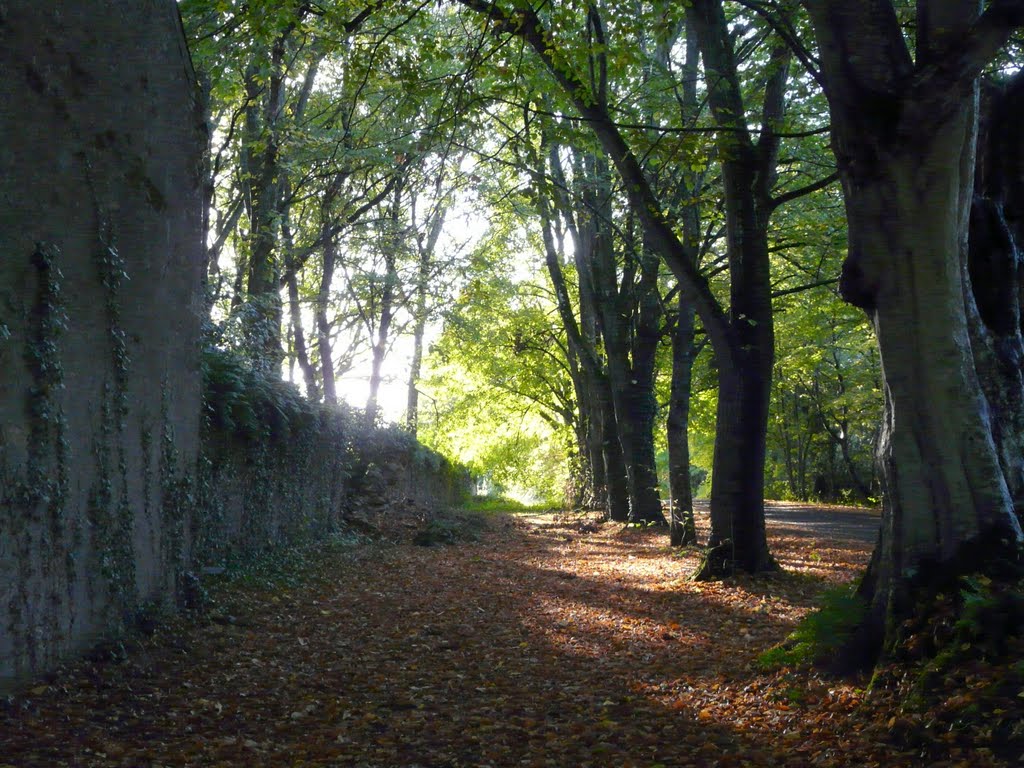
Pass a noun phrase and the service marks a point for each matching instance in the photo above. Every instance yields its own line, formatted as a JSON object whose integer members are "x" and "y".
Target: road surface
{"x": 820, "y": 522}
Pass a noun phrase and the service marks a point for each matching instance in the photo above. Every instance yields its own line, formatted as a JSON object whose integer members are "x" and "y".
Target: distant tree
{"x": 740, "y": 333}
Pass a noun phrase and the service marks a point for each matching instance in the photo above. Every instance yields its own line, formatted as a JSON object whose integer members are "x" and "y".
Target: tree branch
{"x": 793, "y": 194}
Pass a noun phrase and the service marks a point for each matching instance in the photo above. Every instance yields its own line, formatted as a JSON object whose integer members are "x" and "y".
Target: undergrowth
{"x": 821, "y": 634}
{"x": 287, "y": 566}
{"x": 452, "y": 528}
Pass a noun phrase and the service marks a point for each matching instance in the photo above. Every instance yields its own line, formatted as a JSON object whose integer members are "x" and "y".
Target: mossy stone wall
{"x": 100, "y": 308}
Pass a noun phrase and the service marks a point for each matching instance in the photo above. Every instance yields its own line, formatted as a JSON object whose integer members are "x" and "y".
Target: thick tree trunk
{"x": 616, "y": 476}
{"x": 941, "y": 476}
{"x": 738, "y": 539}
{"x": 945, "y": 493}
{"x": 904, "y": 134}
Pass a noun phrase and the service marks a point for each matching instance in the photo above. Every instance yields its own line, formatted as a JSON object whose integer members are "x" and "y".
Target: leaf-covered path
{"x": 544, "y": 643}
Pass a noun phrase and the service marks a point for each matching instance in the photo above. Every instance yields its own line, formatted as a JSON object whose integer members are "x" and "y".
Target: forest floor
{"x": 536, "y": 640}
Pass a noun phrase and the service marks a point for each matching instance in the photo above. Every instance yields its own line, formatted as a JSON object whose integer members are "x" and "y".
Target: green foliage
{"x": 286, "y": 566}
{"x": 249, "y": 403}
{"x": 502, "y": 401}
{"x": 501, "y": 504}
{"x": 979, "y": 620}
{"x": 991, "y": 615}
{"x": 821, "y": 634}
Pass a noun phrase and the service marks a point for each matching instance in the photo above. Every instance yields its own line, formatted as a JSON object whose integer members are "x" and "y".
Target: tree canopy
{"x": 611, "y": 254}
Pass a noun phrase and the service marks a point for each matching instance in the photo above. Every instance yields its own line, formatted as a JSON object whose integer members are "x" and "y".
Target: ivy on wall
{"x": 274, "y": 469}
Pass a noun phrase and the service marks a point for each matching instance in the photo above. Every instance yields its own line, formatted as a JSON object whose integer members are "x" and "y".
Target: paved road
{"x": 798, "y": 519}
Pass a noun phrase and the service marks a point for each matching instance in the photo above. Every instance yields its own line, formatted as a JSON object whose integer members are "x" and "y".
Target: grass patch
{"x": 502, "y": 504}
{"x": 821, "y": 634}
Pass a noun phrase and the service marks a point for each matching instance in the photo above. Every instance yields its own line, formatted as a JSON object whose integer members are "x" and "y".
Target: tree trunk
{"x": 412, "y": 401}
{"x": 941, "y": 477}
{"x": 301, "y": 352}
{"x": 632, "y": 387}
{"x": 640, "y": 400}
{"x": 616, "y": 476}
{"x": 263, "y": 319}
{"x": 590, "y": 379}
{"x": 683, "y": 529}
{"x": 380, "y": 344}
{"x": 323, "y": 325}
{"x": 907, "y": 173}
{"x": 425, "y": 248}
{"x": 738, "y": 540}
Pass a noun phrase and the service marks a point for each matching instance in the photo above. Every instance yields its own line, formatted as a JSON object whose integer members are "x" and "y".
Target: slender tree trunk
{"x": 323, "y": 325}
{"x": 412, "y": 405}
{"x": 426, "y": 247}
{"x": 683, "y": 526}
{"x": 264, "y": 316}
{"x": 595, "y": 456}
{"x": 380, "y": 345}
{"x": 590, "y": 382}
{"x": 641, "y": 401}
{"x": 301, "y": 351}
{"x": 631, "y": 388}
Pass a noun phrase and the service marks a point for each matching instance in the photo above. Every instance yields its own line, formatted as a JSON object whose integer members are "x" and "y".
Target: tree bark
{"x": 425, "y": 247}
{"x": 380, "y": 344}
{"x": 904, "y": 137}
{"x": 301, "y": 351}
{"x": 683, "y": 530}
{"x": 738, "y": 539}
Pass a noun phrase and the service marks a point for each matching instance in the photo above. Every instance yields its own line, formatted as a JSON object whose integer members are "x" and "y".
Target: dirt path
{"x": 543, "y": 644}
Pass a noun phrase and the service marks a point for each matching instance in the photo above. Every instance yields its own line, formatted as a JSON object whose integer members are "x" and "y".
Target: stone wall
{"x": 277, "y": 469}
{"x": 119, "y": 472}
{"x": 100, "y": 265}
